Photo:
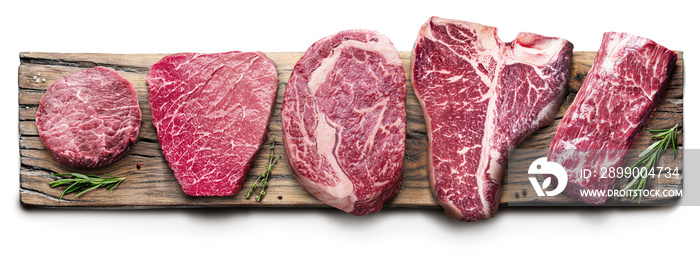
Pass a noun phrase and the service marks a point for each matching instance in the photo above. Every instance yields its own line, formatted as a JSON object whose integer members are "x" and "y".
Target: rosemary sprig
{"x": 650, "y": 156}
{"x": 264, "y": 176}
{"x": 83, "y": 183}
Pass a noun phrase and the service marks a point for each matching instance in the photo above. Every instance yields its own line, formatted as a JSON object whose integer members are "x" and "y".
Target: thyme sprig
{"x": 650, "y": 156}
{"x": 264, "y": 176}
{"x": 83, "y": 183}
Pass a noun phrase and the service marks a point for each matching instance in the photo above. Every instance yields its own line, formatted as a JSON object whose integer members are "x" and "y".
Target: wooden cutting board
{"x": 154, "y": 186}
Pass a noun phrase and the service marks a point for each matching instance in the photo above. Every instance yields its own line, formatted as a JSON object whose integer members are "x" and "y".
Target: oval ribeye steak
{"x": 344, "y": 120}
{"x": 211, "y": 112}
{"x": 480, "y": 98}
{"x": 616, "y": 99}
{"x": 90, "y": 118}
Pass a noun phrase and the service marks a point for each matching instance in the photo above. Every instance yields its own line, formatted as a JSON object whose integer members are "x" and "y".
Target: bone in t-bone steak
{"x": 344, "y": 121}
{"x": 90, "y": 118}
{"x": 616, "y": 99}
{"x": 210, "y": 112}
{"x": 480, "y": 98}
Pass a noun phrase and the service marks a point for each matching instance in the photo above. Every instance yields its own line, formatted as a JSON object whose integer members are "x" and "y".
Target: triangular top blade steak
{"x": 90, "y": 118}
{"x": 211, "y": 112}
{"x": 628, "y": 76}
{"x": 344, "y": 121}
{"x": 480, "y": 98}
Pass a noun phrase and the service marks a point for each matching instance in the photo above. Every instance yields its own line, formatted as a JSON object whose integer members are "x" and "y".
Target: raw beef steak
{"x": 344, "y": 121}
{"x": 616, "y": 99}
{"x": 211, "y": 113}
{"x": 90, "y": 118}
{"x": 480, "y": 98}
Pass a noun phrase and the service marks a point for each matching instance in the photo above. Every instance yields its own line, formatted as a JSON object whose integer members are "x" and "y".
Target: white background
{"x": 290, "y": 235}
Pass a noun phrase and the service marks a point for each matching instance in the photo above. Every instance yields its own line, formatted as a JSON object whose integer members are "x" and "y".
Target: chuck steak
{"x": 480, "y": 98}
{"x": 344, "y": 121}
{"x": 616, "y": 99}
{"x": 211, "y": 112}
{"x": 90, "y": 118}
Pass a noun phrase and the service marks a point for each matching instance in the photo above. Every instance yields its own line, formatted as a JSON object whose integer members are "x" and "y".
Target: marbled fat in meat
{"x": 628, "y": 76}
{"x": 90, "y": 118}
{"x": 480, "y": 98}
{"x": 344, "y": 121}
{"x": 210, "y": 112}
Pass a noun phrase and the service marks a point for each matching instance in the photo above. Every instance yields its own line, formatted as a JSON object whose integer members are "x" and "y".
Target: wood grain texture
{"x": 154, "y": 186}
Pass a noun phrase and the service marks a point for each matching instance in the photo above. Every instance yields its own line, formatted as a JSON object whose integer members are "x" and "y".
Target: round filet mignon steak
{"x": 90, "y": 118}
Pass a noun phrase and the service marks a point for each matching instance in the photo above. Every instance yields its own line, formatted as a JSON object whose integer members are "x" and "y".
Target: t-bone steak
{"x": 210, "y": 112}
{"x": 344, "y": 121}
{"x": 90, "y": 118}
{"x": 616, "y": 99}
{"x": 480, "y": 98}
